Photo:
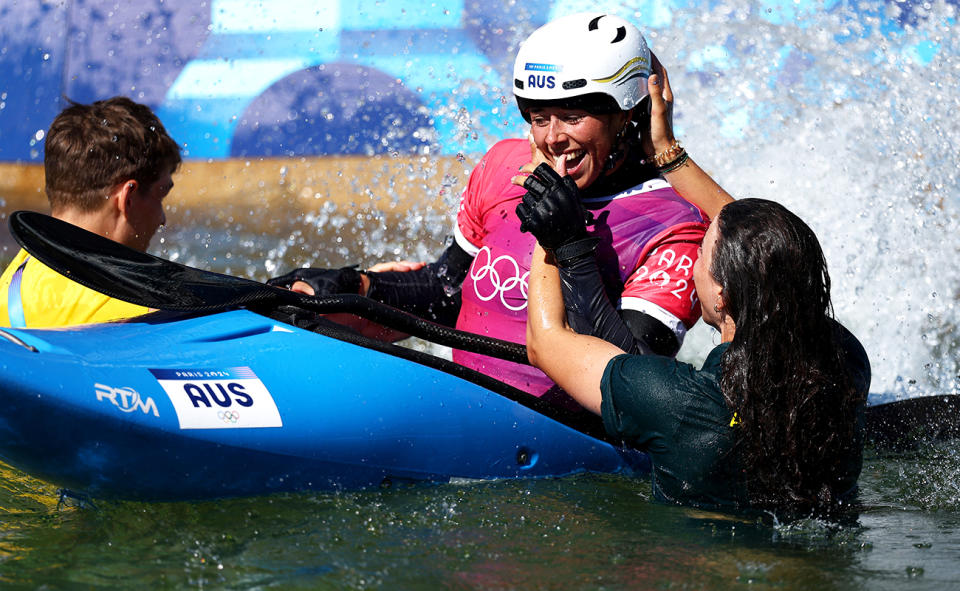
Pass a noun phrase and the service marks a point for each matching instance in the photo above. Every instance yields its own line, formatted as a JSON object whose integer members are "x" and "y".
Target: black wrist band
{"x": 351, "y": 281}
{"x": 571, "y": 251}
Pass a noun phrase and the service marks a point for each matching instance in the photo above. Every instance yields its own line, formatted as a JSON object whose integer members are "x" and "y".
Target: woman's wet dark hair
{"x": 783, "y": 374}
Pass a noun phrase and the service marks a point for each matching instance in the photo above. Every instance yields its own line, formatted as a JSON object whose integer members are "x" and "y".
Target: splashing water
{"x": 859, "y": 139}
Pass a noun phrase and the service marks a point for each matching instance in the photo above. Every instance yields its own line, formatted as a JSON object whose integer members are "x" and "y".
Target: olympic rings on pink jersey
{"x": 491, "y": 270}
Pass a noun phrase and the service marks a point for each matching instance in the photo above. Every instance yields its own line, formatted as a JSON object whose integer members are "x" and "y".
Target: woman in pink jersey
{"x": 580, "y": 81}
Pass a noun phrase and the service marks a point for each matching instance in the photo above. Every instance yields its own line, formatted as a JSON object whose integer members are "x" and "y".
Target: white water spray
{"x": 859, "y": 139}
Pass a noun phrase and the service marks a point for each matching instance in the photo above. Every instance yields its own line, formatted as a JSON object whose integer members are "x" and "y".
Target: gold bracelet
{"x": 675, "y": 163}
{"x": 668, "y": 155}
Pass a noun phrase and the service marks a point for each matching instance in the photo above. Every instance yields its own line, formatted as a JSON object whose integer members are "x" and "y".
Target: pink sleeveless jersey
{"x": 648, "y": 242}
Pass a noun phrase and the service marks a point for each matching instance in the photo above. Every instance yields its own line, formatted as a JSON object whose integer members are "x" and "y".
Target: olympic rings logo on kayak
{"x": 228, "y": 416}
{"x": 503, "y": 275}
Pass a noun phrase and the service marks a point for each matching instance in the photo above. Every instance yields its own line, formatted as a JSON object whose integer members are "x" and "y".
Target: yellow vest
{"x": 50, "y": 299}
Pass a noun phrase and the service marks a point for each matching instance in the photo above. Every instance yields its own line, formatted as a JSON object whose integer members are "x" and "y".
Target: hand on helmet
{"x": 322, "y": 281}
{"x": 661, "y": 109}
{"x": 551, "y": 208}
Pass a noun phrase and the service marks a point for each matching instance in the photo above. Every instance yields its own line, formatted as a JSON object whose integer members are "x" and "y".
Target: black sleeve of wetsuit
{"x": 589, "y": 311}
{"x": 432, "y": 292}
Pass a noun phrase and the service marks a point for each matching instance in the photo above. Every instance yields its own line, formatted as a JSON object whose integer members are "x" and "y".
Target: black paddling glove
{"x": 323, "y": 281}
{"x": 432, "y": 292}
{"x": 552, "y": 212}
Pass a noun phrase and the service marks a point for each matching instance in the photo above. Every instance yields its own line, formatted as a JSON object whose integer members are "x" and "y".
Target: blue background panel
{"x": 247, "y": 78}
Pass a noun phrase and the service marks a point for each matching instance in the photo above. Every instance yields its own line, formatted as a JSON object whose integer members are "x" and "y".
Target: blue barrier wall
{"x": 247, "y": 78}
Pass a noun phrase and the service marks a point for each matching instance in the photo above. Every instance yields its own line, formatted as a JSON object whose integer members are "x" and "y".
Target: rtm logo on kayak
{"x": 126, "y": 399}
{"x": 218, "y": 398}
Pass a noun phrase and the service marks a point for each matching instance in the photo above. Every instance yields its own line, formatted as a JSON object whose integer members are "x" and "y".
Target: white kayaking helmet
{"x": 594, "y": 61}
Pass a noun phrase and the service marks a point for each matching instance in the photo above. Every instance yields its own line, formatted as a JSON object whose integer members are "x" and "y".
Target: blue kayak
{"x": 173, "y": 407}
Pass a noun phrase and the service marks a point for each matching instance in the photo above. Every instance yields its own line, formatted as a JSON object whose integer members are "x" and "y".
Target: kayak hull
{"x": 237, "y": 404}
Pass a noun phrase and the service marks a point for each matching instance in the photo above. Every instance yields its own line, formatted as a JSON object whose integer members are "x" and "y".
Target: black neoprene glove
{"x": 323, "y": 281}
{"x": 552, "y": 212}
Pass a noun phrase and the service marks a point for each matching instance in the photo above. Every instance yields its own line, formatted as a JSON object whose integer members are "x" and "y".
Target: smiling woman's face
{"x": 584, "y": 140}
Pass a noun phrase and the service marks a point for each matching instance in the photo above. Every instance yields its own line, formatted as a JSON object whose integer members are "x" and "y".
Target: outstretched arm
{"x": 688, "y": 179}
{"x": 574, "y": 361}
{"x": 431, "y": 291}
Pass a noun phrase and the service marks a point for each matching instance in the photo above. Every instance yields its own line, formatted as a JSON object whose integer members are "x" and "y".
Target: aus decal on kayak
{"x": 126, "y": 399}
{"x": 231, "y": 398}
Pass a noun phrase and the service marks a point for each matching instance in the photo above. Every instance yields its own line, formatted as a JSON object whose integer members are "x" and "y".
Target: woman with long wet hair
{"x": 774, "y": 418}
{"x": 794, "y": 378}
